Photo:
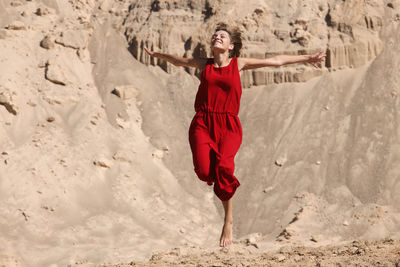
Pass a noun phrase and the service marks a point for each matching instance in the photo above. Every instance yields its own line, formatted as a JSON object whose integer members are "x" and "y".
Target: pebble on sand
{"x": 51, "y": 119}
{"x": 281, "y": 161}
{"x": 77, "y": 39}
{"x": 47, "y": 42}
{"x": 316, "y": 238}
{"x": 253, "y": 239}
{"x": 102, "y": 163}
{"x": 6, "y": 101}
{"x": 268, "y": 189}
{"x": 125, "y": 91}
{"x": 159, "y": 154}
{"x": 280, "y": 257}
{"x": 124, "y": 124}
{"x": 16, "y": 3}
{"x": 123, "y": 156}
{"x": 54, "y": 74}
{"x": 42, "y": 11}
{"x": 17, "y": 26}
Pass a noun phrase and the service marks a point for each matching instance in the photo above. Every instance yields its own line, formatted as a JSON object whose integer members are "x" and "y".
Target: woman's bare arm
{"x": 279, "y": 60}
{"x": 179, "y": 61}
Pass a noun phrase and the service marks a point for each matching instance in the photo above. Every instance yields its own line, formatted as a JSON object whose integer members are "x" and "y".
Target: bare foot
{"x": 226, "y": 235}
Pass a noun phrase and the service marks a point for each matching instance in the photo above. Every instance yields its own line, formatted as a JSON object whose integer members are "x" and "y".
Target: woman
{"x": 215, "y": 133}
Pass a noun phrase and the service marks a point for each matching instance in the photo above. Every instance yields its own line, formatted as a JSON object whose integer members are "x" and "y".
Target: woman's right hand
{"x": 151, "y": 53}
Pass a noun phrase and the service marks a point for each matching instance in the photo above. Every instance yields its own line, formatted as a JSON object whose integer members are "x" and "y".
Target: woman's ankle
{"x": 228, "y": 220}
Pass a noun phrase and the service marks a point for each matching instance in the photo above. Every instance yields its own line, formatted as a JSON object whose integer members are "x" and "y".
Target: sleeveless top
{"x": 220, "y": 89}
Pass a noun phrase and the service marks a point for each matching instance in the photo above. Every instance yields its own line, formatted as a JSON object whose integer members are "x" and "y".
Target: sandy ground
{"x": 356, "y": 253}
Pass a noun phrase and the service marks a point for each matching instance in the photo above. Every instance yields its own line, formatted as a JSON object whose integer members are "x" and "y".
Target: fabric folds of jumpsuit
{"x": 215, "y": 133}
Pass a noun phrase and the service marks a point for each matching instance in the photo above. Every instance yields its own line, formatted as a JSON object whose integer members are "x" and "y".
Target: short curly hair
{"x": 235, "y": 36}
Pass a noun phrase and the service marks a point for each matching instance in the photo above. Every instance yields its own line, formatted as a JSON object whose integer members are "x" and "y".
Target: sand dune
{"x": 95, "y": 164}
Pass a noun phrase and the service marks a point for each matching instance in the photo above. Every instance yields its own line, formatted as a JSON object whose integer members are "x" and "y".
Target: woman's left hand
{"x": 316, "y": 58}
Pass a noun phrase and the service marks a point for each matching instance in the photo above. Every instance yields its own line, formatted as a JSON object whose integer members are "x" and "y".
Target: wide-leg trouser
{"x": 214, "y": 140}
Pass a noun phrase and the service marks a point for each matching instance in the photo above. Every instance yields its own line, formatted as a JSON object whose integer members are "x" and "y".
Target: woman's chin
{"x": 217, "y": 48}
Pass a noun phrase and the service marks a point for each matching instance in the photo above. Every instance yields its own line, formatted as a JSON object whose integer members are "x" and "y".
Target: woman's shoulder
{"x": 207, "y": 61}
{"x": 201, "y": 62}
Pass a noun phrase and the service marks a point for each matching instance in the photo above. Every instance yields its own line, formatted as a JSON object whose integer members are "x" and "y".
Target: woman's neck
{"x": 221, "y": 59}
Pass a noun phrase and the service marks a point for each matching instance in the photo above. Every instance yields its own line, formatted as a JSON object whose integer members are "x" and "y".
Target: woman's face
{"x": 220, "y": 40}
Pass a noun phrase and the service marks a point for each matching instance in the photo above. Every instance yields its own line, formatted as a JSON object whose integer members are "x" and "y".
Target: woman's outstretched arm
{"x": 179, "y": 61}
{"x": 279, "y": 60}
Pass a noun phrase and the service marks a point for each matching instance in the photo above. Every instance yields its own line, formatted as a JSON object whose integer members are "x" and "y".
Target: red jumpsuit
{"x": 215, "y": 133}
